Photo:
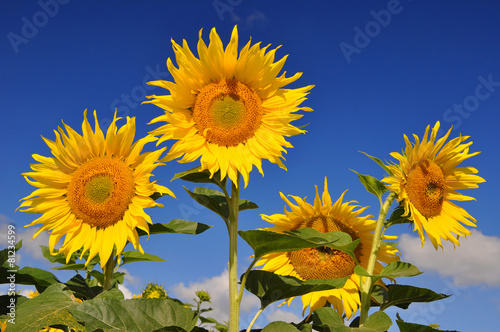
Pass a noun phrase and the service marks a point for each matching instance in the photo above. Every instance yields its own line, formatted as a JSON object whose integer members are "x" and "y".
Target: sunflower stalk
{"x": 108, "y": 274}
{"x": 234, "y": 303}
{"x": 367, "y": 285}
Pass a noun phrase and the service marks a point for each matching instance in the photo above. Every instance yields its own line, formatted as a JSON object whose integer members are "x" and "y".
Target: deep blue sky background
{"x": 428, "y": 62}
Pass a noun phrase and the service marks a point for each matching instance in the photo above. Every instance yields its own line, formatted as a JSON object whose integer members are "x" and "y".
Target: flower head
{"x": 229, "y": 110}
{"x": 94, "y": 189}
{"x": 153, "y": 291}
{"x": 426, "y": 181}
{"x": 323, "y": 262}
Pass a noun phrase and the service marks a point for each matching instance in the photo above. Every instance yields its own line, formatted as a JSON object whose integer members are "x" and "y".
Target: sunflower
{"x": 229, "y": 110}
{"x": 427, "y": 179}
{"x": 94, "y": 190}
{"x": 323, "y": 262}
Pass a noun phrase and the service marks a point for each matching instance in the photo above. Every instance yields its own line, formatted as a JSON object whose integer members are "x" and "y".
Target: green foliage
{"x": 270, "y": 287}
{"x": 134, "y": 315}
{"x": 391, "y": 270}
{"x": 4, "y": 254}
{"x": 267, "y": 242}
{"x": 212, "y": 199}
{"x": 82, "y": 289}
{"x": 397, "y": 218}
{"x": 136, "y": 256}
{"x": 197, "y": 176}
{"x": 379, "y": 162}
{"x": 39, "y": 278}
{"x": 403, "y": 295}
{"x": 372, "y": 185}
{"x": 176, "y": 226}
{"x": 49, "y": 308}
{"x": 328, "y": 318}
{"x": 412, "y": 327}
{"x": 280, "y": 327}
{"x": 216, "y": 201}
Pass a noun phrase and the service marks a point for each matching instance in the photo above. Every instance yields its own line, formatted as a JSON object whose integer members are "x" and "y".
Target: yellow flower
{"x": 323, "y": 262}
{"x": 153, "y": 291}
{"x": 229, "y": 110}
{"x": 94, "y": 190}
{"x": 31, "y": 294}
{"x": 426, "y": 181}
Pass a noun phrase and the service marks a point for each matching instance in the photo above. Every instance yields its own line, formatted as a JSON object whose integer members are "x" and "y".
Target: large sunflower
{"x": 322, "y": 262}
{"x": 426, "y": 181}
{"x": 94, "y": 190}
{"x": 229, "y": 110}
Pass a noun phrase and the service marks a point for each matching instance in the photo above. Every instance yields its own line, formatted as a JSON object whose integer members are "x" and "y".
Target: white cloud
{"x": 130, "y": 281}
{"x": 126, "y": 292}
{"x": 474, "y": 262}
{"x": 282, "y": 315}
{"x": 31, "y": 247}
{"x": 218, "y": 287}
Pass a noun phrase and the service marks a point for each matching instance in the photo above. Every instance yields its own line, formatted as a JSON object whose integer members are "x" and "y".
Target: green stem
{"x": 255, "y": 318}
{"x": 108, "y": 274}
{"x": 234, "y": 307}
{"x": 366, "y": 286}
{"x": 244, "y": 280}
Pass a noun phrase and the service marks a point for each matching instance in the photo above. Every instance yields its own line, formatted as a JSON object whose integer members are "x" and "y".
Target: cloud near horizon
{"x": 474, "y": 262}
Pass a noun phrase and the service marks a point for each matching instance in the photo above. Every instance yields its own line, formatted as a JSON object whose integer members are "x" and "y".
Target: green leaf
{"x": 5, "y": 253}
{"x": 212, "y": 199}
{"x": 270, "y": 287}
{"x": 379, "y": 162}
{"x": 303, "y": 126}
{"x": 113, "y": 293}
{"x": 280, "y": 327}
{"x": 329, "y": 318}
{"x": 247, "y": 205}
{"x": 412, "y": 327}
{"x": 403, "y": 295}
{"x": 372, "y": 185}
{"x": 397, "y": 218}
{"x": 74, "y": 267}
{"x": 81, "y": 289}
{"x": 176, "y": 226}
{"x": 133, "y": 315}
{"x": 136, "y": 256}
{"x": 197, "y": 176}
{"x": 391, "y": 270}
{"x": 157, "y": 195}
{"x": 39, "y": 278}
{"x": 49, "y": 308}
{"x": 266, "y": 242}
{"x": 6, "y": 301}
{"x": 58, "y": 258}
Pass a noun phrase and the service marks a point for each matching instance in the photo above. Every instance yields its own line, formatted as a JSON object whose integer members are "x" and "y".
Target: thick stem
{"x": 234, "y": 307}
{"x": 108, "y": 274}
{"x": 366, "y": 286}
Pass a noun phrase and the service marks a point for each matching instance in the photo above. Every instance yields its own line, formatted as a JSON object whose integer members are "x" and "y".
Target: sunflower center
{"x": 100, "y": 191}
{"x": 324, "y": 262}
{"x": 425, "y": 185}
{"x": 227, "y": 112}
{"x": 99, "y": 188}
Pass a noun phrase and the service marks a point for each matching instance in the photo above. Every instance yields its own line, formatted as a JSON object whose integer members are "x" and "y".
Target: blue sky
{"x": 381, "y": 69}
